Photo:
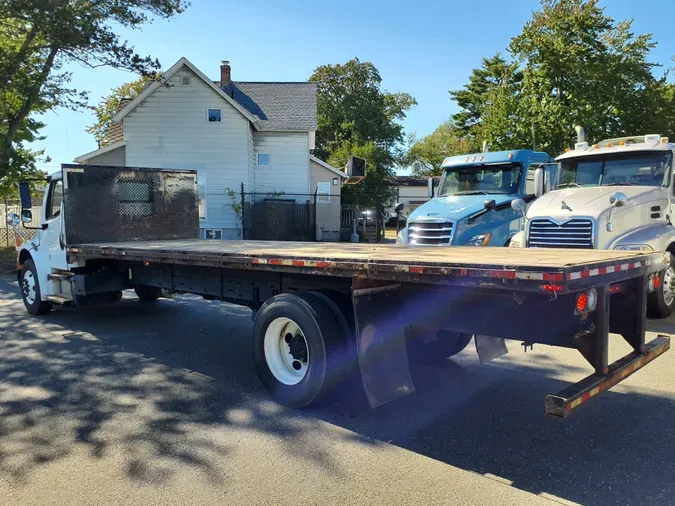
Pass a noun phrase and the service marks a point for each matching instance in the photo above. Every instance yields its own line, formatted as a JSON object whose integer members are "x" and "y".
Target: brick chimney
{"x": 225, "y": 73}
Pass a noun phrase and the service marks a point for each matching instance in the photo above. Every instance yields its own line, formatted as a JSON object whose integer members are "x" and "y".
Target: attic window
{"x": 213, "y": 116}
{"x": 264, "y": 160}
{"x": 185, "y": 81}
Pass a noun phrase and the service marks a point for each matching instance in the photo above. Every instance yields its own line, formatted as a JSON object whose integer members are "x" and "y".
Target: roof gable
{"x": 183, "y": 62}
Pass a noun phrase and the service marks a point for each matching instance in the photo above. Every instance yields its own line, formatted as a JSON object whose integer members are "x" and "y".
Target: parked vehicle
{"x": 324, "y": 312}
{"x": 617, "y": 195}
{"x": 473, "y": 203}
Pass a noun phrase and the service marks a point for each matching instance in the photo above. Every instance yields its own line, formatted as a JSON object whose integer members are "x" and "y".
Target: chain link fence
{"x": 8, "y": 233}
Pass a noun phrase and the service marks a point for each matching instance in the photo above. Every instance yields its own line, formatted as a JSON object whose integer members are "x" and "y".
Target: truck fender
{"x": 659, "y": 236}
{"x": 517, "y": 240}
{"x": 24, "y": 255}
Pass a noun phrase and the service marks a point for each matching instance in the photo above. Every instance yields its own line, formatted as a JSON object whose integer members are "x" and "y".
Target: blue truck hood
{"x": 457, "y": 207}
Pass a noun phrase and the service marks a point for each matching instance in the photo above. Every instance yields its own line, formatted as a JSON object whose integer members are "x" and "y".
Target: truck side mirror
{"x": 617, "y": 199}
{"x": 399, "y": 207}
{"x": 24, "y": 195}
{"x": 539, "y": 182}
{"x": 26, "y": 216}
{"x": 489, "y": 204}
{"x": 13, "y": 220}
{"x": 518, "y": 205}
{"x": 432, "y": 187}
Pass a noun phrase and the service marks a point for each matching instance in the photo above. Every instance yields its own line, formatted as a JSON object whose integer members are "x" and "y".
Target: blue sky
{"x": 424, "y": 48}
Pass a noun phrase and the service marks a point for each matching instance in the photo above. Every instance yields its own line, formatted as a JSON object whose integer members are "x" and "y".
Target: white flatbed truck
{"x": 324, "y": 311}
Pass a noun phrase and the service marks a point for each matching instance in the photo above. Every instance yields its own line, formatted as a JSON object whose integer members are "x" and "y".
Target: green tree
{"x": 22, "y": 162}
{"x": 426, "y": 155}
{"x": 582, "y": 67}
{"x": 493, "y": 77}
{"x": 357, "y": 117}
{"x": 38, "y": 37}
{"x": 110, "y": 105}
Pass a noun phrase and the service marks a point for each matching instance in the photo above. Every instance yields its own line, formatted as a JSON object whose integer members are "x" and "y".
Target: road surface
{"x": 160, "y": 404}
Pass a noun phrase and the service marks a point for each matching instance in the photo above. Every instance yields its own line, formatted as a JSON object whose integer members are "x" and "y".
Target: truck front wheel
{"x": 294, "y": 340}
{"x": 30, "y": 290}
{"x": 661, "y": 302}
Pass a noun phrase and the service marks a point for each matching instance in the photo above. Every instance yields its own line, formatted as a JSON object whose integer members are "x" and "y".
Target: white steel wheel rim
{"x": 286, "y": 351}
{"x": 28, "y": 287}
{"x": 668, "y": 280}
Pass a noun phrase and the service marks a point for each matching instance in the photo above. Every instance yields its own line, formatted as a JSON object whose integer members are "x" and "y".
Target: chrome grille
{"x": 576, "y": 233}
{"x": 431, "y": 233}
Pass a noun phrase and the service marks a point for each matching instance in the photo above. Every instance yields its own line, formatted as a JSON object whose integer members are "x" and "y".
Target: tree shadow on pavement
{"x": 109, "y": 379}
{"x": 150, "y": 380}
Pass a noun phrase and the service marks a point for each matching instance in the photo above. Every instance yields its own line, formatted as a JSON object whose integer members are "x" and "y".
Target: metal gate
{"x": 278, "y": 220}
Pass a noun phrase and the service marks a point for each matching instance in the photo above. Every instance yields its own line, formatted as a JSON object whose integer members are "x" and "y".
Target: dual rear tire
{"x": 301, "y": 347}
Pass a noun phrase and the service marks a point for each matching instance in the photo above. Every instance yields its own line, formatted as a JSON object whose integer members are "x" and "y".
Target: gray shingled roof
{"x": 279, "y": 106}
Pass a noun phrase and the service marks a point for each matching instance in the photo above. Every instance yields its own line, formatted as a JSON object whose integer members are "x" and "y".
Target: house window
{"x": 185, "y": 80}
{"x": 323, "y": 193}
{"x": 213, "y": 233}
{"x": 213, "y": 115}
{"x": 201, "y": 192}
{"x": 263, "y": 160}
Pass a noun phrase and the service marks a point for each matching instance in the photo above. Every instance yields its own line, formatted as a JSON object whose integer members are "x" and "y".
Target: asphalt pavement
{"x": 160, "y": 404}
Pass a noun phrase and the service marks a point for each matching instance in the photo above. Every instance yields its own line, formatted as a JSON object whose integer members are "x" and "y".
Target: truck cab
{"x": 472, "y": 206}
{"x": 617, "y": 194}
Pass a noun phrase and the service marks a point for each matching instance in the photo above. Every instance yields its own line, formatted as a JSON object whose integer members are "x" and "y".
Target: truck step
{"x": 59, "y": 299}
{"x": 58, "y": 276}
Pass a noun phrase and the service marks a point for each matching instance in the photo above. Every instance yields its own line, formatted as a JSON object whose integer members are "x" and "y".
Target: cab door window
{"x": 54, "y": 201}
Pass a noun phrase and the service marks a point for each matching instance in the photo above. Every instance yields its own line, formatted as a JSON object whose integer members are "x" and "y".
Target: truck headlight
{"x": 633, "y": 247}
{"x": 479, "y": 240}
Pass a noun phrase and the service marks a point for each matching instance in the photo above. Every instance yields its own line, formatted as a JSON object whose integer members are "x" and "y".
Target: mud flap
{"x": 383, "y": 357}
{"x": 489, "y": 348}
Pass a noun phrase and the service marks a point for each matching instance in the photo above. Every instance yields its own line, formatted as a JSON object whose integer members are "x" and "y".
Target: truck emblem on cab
{"x": 563, "y": 205}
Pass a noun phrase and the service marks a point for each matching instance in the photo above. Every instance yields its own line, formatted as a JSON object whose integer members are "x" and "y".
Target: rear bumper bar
{"x": 562, "y": 404}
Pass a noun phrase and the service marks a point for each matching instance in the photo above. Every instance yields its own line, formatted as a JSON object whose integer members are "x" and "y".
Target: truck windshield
{"x": 640, "y": 169}
{"x": 481, "y": 179}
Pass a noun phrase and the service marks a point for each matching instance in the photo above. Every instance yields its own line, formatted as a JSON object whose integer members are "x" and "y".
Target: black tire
{"x": 656, "y": 302}
{"x": 345, "y": 354}
{"x": 425, "y": 345}
{"x": 147, "y": 293}
{"x": 322, "y": 334}
{"x": 38, "y": 306}
{"x": 451, "y": 342}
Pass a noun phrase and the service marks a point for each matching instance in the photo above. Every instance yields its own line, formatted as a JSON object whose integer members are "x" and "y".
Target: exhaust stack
{"x": 581, "y": 135}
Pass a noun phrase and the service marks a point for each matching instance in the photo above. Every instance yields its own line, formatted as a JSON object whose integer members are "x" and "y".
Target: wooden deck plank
{"x": 460, "y": 256}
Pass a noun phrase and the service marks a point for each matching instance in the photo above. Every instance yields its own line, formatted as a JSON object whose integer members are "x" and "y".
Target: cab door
{"x": 52, "y": 238}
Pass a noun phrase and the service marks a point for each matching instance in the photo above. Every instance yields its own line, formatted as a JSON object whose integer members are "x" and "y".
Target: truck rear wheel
{"x": 295, "y": 338}
{"x": 661, "y": 302}
{"x": 147, "y": 293}
{"x": 30, "y": 290}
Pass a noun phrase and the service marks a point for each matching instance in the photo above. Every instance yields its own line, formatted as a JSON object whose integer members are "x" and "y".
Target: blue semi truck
{"x": 472, "y": 205}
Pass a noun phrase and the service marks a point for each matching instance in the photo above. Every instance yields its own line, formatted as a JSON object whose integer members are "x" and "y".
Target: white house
{"x": 413, "y": 191}
{"x": 231, "y": 132}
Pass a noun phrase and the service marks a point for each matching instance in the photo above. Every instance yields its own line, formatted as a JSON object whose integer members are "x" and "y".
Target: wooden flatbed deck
{"x": 404, "y": 263}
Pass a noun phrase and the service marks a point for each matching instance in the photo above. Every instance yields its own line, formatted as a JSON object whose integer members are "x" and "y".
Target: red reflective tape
{"x": 323, "y": 264}
{"x": 298, "y": 263}
{"x": 585, "y": 397}
{"x": 585, "y": 274}
{"x": 463, "y": 272}
{"x": 417, "y": 270}
{"x": 274, "y": 261}
{"x": 552, "y": 276}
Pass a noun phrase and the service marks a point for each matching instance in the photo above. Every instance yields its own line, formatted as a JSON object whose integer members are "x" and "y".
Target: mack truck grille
{"x": 423, "y": 232}
{"x": 545, "y": 233}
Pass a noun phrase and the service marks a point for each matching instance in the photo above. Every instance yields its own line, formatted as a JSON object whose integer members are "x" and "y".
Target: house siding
{"x": 289, "y": 158}
{"x": 114, "y": 158}
{"x": 169, "y": 129}
{"x": 327, "y": 214}
{"x": 411, "y": 196}
{"x": 251, "y": 161}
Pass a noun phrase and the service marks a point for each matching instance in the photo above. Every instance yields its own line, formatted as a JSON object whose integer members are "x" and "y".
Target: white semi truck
{"x": 618, "y": 194}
